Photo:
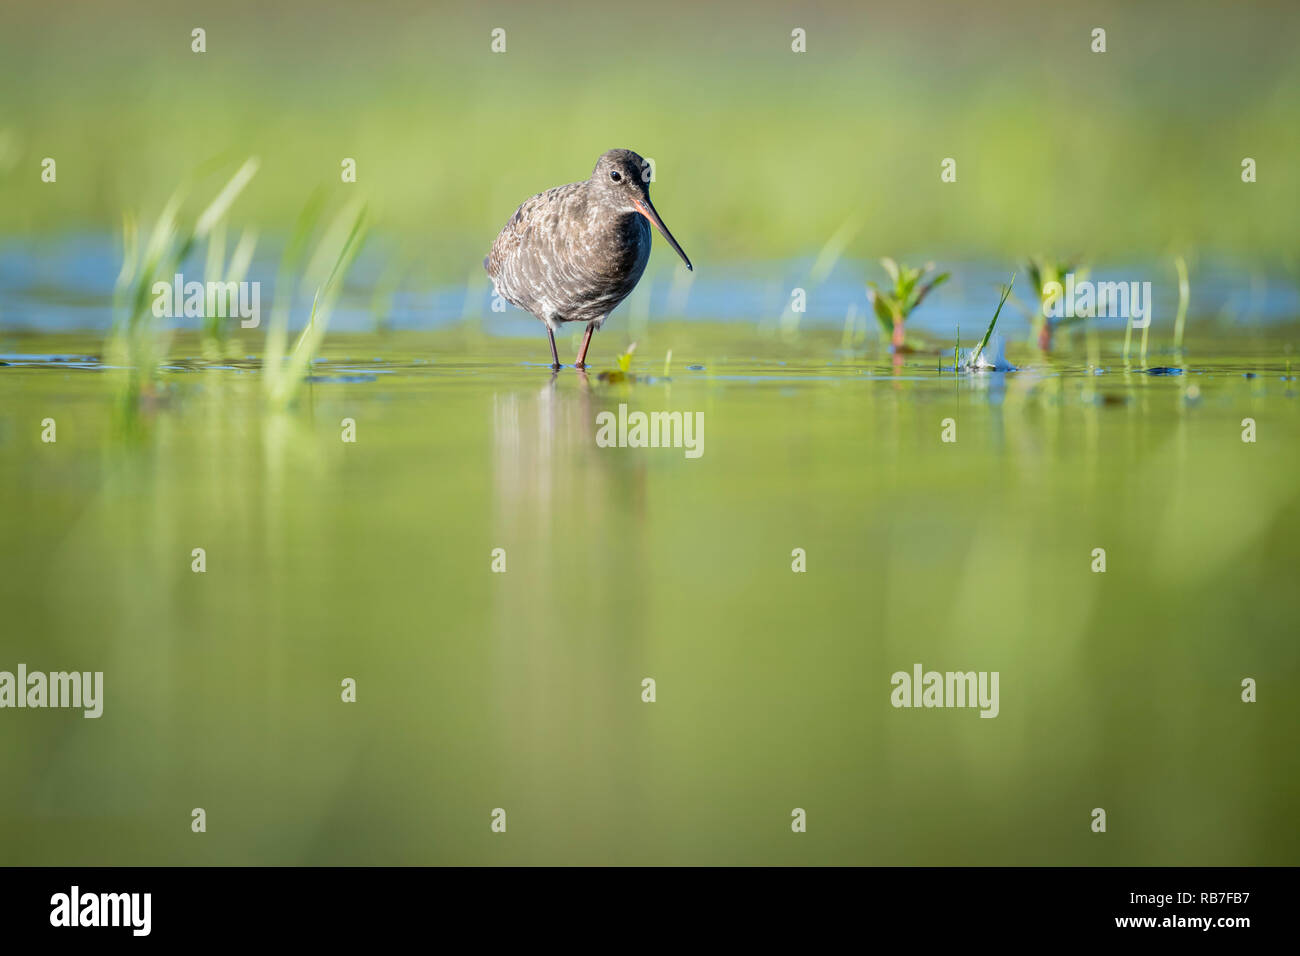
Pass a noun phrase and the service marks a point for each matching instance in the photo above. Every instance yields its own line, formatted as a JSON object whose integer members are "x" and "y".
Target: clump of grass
{"x": 216, "y": 339}
{"x": 135, "y": 343}
{"x": 134, "y": 340}
{"x": 974, "y": 363}
{"x": 910, "y": 287}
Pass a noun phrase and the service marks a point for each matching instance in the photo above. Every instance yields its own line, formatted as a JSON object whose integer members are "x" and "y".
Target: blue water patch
{"x": 59, "y": 361}
{"x": 67, "y": 283}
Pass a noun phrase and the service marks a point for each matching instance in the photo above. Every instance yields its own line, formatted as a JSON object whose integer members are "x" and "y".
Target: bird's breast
{"x": 566, "y": 256}
{"x": 619, "y": 246}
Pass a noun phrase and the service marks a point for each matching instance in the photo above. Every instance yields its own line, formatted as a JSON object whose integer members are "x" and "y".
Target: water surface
{"x": 522, "y": 690}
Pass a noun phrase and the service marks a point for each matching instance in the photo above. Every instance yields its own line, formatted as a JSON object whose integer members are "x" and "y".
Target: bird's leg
{"x": 555, "y": 356}
{"x": 586, "y": 341}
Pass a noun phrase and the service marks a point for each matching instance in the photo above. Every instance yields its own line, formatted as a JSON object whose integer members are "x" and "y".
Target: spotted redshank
{"x": 573, "y": 253}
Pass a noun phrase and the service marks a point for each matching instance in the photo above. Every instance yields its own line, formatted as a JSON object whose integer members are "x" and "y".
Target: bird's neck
{"x": 633, "y": 225}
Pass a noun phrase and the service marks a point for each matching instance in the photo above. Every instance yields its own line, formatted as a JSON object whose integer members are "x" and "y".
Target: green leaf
{"x": 932, "y": 284}
{"x": 883, "y": 311}
{"x": 218, "y": 208}
{"x": 288, "y": 380}
{"x": 1006, "y": 292}
{"x": 625, "y": 360}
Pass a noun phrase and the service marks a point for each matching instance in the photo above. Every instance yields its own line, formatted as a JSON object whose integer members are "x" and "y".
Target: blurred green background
{"x": 761, "y": 153}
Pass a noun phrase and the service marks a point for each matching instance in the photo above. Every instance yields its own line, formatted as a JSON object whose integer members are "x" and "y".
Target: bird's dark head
{"x": 622, "y": 177}
{"x": 622, "y": 180}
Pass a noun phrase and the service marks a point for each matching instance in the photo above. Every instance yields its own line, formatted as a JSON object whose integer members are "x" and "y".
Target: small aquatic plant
{"x": 982, "y": 357}
{"x": 134, "y": 341}
{"x": 1044, "y": 274}
{"x": 911, "y": 286}
{"x": 625, "y": 360}
{"x": 623, "y": 373}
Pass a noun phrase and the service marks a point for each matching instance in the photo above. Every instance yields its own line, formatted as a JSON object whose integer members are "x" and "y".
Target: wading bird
{"x": 573, "y": 253}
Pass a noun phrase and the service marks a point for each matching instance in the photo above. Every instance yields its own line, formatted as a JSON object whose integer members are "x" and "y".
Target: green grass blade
{"x": 1184, "y": 294}
{"x": 287, "y": 382}
{"x": 1006, "y": 292}
{"x": 218, "y": 208}
{"x": 834, "y": 248}
{"x": 214, "y": 268}
{"x": 242, "y": 257}
{"x": 277, "y": 330}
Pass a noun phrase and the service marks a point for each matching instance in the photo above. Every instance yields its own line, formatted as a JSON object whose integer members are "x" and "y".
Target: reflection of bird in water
{"x": 573, "y": 253}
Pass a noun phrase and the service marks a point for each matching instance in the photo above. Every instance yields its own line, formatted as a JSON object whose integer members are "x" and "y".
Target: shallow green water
{"x": 522, "y": 690}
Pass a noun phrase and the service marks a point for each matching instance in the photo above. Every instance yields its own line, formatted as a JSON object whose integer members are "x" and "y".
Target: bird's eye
{"x": 614, "y": 175}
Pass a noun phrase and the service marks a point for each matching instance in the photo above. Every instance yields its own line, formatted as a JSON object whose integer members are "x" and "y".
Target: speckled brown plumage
{"x": 573, "y": 253}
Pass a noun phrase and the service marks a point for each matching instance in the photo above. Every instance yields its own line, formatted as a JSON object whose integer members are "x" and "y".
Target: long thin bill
{"x": 647, "y": 209}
